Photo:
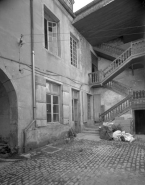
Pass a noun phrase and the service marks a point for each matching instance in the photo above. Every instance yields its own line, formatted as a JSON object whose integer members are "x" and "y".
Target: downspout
{"x": 32, "y": 59}
{"x": 33, "y": 75}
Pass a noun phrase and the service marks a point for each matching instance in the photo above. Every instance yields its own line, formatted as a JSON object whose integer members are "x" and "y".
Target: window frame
{"x": 49, "y": 17}
{"x": 52, "y": 104}
{"x": 73, "y": 63}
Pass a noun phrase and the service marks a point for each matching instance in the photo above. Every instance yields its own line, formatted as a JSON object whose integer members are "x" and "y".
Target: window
{"x": 53, "y": 102}
{"x": 89, "y": 106}
{"x": 51, "y": 32}
{"x": 73, "y": 51}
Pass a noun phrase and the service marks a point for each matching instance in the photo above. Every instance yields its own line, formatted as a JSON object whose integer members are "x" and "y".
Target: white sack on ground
{"x": 128, "y": 137}
{"x": 116, "y": 135}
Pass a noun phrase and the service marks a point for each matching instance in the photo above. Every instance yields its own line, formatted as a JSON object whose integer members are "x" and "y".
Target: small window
{"x": 51, "y": 32}
{"x": 73, "y": 51}
{"x": 53, "y": 102}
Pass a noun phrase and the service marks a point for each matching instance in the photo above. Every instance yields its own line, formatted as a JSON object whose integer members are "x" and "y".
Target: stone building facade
{"x": 63, "y": 59}
{"x": 46, "y": 54}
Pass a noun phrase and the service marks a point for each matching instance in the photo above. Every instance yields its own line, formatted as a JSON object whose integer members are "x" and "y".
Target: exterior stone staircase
{"x": 108, "y": 51}
{"x": 132, "y": 101}
{"x": 92, "y": 129}
{"x": 118, "y": 87}
{"x": 100, "y": 78}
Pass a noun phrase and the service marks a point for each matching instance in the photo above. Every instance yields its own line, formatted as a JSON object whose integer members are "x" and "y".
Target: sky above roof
{"x": 80, "y": 3}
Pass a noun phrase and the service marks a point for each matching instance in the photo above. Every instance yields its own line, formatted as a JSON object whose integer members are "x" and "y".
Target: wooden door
{"x": 75, "y": 110}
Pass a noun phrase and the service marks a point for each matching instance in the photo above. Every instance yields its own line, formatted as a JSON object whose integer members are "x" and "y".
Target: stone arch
{"x": 8, "y": 111}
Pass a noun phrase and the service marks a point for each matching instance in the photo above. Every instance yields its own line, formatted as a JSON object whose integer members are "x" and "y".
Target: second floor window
{"x": 73, "y": 51}
{"x": 51, "y": 32}
{"x": 51, "y": 36}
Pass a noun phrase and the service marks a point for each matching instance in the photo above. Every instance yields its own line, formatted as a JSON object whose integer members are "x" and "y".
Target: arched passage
{"x": 8, "y": 111}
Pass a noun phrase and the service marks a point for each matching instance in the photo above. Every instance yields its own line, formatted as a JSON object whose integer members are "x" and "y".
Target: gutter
{"x": 90, "y": 8}
{"x": 33, "y": 76}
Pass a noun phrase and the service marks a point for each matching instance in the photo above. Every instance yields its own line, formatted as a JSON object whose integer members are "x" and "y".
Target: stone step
{"x": 90, "y": 131}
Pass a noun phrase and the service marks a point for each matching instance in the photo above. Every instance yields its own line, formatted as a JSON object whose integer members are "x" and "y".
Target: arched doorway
{"x": 8, "y": 112}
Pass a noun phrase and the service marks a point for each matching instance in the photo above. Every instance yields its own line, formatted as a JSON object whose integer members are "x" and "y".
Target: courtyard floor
{"x": 82, "y": 162}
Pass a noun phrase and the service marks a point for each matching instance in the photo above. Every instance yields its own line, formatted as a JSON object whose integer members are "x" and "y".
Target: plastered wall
{"x": 16, "y": 60}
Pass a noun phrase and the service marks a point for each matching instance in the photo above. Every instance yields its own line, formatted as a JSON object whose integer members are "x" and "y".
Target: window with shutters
{"x": 53, "y": 102}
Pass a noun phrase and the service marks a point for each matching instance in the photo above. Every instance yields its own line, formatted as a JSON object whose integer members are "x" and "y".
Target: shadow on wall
{"x": 110, "y": 98}
{"x": 8, "y": 112}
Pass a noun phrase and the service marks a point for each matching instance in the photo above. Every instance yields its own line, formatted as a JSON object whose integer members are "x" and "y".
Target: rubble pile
{"x": 109, "y": 131}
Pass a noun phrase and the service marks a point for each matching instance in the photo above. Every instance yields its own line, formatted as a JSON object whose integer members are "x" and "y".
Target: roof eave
{"x": 90, "y": 8}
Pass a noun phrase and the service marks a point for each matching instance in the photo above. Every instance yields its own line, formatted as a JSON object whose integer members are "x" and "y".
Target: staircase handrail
{"x": 132, "y": 51}
{"x": 135, "y": 98}
{"x": 129, "y": 97}
{"x": 119, "y": 86}
{"x": 123, "y": 85}
{"x": 117, "y": 62}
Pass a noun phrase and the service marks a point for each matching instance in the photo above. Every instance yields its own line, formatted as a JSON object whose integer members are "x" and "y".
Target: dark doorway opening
{"x": 140, "y": 121}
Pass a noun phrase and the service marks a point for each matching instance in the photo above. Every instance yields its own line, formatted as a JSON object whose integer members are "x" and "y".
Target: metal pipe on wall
{"x": 33, "y": 76}
{"x": 32, "y": 59}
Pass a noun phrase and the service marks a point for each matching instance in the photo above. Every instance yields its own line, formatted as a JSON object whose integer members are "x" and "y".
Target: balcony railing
{"x": 137, "y": 49}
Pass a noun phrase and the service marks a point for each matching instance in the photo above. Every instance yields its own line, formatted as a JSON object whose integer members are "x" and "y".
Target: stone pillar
{"x": 66, "y": 104}
{"x": 41, "y": 115}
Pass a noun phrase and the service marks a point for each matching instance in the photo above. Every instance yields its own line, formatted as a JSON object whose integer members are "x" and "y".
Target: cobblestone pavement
{"x": 82, "y": 162}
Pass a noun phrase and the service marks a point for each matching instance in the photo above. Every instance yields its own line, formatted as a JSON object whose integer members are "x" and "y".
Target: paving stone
{"x": 81, "y": 162}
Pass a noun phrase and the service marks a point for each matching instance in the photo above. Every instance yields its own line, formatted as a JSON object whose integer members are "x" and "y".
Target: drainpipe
{"x": 32, "y": 59}
{"x": 33, "y": 76}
